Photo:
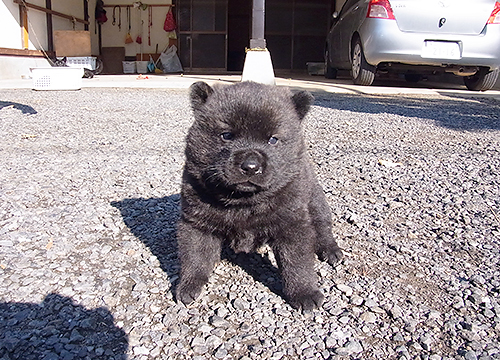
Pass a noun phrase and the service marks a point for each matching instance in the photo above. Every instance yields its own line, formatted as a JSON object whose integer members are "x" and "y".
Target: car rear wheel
{"x": 482, "y": 80}
{"x": 362, "y": 72}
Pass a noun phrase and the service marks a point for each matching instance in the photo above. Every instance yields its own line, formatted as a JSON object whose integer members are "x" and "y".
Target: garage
{"x": 210, "y": 35}
{"x": 213, "y": 34}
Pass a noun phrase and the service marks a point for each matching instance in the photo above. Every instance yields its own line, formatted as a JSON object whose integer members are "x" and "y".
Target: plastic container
{"x": 315, "y": 68}
{"x": 87, "y": 62}
{"x": 128, "y": 67}
{"x": 142, "y": 67}
{"x": 57, "y": 78}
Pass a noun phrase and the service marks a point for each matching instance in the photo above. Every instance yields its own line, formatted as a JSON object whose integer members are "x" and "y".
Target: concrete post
{"x": 258, "y": 23}
{"x": 258, "y": 65}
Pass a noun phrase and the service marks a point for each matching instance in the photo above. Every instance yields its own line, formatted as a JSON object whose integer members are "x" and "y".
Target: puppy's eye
{"x": 227, "y": 136}
{"x": 273, "y": 140}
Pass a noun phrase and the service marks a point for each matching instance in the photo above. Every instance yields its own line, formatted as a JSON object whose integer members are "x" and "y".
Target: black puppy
{"x": 248, "y": 181}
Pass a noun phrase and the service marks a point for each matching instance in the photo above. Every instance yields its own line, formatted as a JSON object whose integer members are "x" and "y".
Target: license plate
{"x": 441, "y": 50}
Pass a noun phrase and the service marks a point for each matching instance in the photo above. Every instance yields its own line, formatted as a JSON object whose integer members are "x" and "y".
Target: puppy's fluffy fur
{"x": 248, "y": 181}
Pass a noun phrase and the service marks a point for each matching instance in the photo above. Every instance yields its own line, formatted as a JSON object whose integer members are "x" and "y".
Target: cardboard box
{"x": 145, "y": 57}
{"x": 72, "y": 43}
{"x": 112, "y": 58}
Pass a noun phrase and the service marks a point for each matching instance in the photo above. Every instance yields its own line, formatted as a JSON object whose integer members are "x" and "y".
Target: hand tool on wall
{"x": 128, "y": 37}
{"x": 150, "y": 23}
{"x": 119, "y": 17}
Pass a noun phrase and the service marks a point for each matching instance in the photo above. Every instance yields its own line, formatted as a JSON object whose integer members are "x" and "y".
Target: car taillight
{"x": 495, "y": 14}
{"x": 380, "y": 9}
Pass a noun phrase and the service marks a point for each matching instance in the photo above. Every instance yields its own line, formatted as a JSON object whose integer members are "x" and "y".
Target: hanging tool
{"x": 139, "y": 37}
{"x": 119, "y": 17}
{"x": 150, "y": 23}
{"x": 128, "y": 37}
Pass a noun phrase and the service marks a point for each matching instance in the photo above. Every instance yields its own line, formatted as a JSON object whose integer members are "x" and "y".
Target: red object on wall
{"x": 169, "y": 24}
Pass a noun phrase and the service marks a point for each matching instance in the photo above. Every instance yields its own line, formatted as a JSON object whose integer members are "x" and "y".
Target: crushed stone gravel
{"x": 89, "y": 196}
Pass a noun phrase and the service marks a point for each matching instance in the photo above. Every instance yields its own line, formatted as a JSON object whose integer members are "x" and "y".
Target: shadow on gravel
{"x": 58, "y": 328}
{"x": 457, "y": 113}
{"x": 259, "y": 267}
{"x": 25, "y": 109}
{"x": 154, "y": 222}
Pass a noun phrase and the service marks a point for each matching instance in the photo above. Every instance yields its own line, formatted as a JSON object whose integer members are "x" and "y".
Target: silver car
{"x": 416, "y": 37}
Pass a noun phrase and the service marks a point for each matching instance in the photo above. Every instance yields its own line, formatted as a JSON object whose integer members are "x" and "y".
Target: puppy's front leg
{"x": 326, "y": 246}
{"x": 296, "y": 263}
{"x": 198, "y": 253}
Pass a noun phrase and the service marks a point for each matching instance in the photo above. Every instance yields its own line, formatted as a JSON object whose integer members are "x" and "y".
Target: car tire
{"x": 362, "y": 72}
{"x": 330, "y": 72}
{"x": 482, "y": 80}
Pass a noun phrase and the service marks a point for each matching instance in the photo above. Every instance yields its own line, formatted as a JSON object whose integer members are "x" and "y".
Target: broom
{"x": 152, "y": 66}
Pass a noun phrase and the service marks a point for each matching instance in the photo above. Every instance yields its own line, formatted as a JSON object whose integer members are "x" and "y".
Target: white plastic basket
{"x": 316, "y": 68}
{"x": 87, "y": 62}
{"x": 128, "y": 67}
{"x": 57, "y": 78}
{"x": 142, "y": 67}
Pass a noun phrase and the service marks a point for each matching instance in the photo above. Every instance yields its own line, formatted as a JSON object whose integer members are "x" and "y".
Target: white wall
{"x": 15, "y": 67}
{"x": 10, "y": 27}
{"x": 113, "y": 36}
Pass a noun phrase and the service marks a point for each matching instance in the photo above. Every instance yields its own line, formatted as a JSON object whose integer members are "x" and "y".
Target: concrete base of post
{"x": 258, "y": 67}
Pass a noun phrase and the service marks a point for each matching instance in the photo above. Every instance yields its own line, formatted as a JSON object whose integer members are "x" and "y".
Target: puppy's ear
{"x": 200, "y": 91}
{"x": 302, "y": 101}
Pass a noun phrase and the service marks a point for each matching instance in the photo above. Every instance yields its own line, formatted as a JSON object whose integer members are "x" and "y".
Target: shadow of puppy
{"x": 154, "y": 222}
{"x": 258, "y": 266}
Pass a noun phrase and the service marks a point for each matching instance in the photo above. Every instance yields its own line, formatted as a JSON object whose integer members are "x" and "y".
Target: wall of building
{"x": 37, "y": 26}
{"x": 14, "y": 67}
{"x": 113, "y": 36}
{"x": 9, "y": 24}
{"x": 153, "y": 36}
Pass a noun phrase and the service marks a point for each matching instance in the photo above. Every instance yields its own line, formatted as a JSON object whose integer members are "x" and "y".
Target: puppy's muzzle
{"x": 252, "y": 163}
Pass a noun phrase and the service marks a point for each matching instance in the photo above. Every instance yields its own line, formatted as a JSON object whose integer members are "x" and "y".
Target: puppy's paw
{"x": 307, "y": 301}
{"x": 332, "y": 255}
{"x": 188, "y": 291}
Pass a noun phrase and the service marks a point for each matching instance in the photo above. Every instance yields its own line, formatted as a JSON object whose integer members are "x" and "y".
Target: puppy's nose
{"x": 251, "y": 166}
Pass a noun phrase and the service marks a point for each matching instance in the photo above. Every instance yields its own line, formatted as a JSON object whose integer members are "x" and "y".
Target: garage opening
{"x": 213, "y": 34}
{"x": 296, "y": 31}
{"x": 239, "y": 28}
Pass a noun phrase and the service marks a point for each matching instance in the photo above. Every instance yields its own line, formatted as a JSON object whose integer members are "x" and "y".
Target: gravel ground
{"x": 89, "y": 194}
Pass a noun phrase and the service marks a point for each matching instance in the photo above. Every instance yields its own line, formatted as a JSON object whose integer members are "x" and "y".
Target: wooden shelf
{"x": 48, "y": 11}
{"x": 131, "y": 5}
{"x": 25, "y": 52}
